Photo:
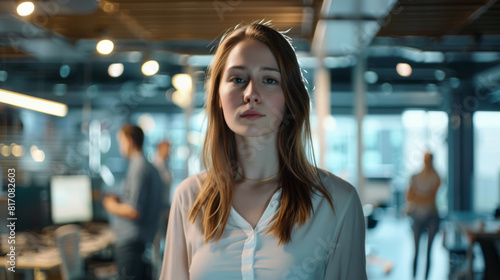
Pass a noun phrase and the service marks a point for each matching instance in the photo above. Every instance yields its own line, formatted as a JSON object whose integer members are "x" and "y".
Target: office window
{"x": 425, "y": 131}
{"x": 341, "y": 149}
{"x": 486, "y": 186}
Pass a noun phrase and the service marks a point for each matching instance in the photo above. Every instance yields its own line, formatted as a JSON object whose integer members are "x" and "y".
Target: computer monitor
{"x": 71, "y": 199}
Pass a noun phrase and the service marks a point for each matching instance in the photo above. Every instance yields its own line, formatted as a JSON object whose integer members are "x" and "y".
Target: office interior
{"x": 389, "y": 80}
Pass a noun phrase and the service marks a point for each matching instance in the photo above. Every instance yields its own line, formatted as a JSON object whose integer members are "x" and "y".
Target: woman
{"x": 261, "y": 210}
{"x": 421, "y": 198}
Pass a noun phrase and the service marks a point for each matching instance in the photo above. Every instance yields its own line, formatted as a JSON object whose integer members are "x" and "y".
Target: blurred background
{"x": 389, "y": 80}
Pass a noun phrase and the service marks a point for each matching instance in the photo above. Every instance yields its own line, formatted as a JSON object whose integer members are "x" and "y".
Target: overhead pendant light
{"x": 25, "y": 8}
{"x": 115, "y": 70}
{"x": 404, "y": 69}
{"x": 33, "y": 103}
{"x": 150, "y": 67}
{"x": 105, "y": 46}
{"x": 184, "y": 85}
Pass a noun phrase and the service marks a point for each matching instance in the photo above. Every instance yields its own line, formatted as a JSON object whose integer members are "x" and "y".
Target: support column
{"x": 461, "y": 149}
{"x": 322, "y": 105}
{"x": 360, "y": 109}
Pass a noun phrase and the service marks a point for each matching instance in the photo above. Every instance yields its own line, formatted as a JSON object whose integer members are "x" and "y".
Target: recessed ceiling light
{"x": 25, "y": 9}
{"x": 403, "y": 69}
{"x": 105, "y": 46}
{"x": 115, "y": 70}
{"x": 151, "y": 67}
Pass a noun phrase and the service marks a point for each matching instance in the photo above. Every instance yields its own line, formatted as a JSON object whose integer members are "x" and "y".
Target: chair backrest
{"x": 490, "y": 244}
{"x": 68, "y": 241}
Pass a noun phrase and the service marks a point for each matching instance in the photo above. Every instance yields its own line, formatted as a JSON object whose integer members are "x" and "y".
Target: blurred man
{"x": 160, "y": 162}
{"x": 137, "y": 212}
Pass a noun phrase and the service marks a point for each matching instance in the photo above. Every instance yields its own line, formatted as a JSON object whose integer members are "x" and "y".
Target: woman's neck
{"x": 257, "y": 156}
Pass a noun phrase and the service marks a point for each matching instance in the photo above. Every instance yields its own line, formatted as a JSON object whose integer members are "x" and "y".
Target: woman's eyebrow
{"x": 265, "y": 68}
{"x": 270, "y": 69}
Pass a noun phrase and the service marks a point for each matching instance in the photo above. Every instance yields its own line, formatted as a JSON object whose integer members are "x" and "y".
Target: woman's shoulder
{"x": 189, "y": 188}
{"x": 336, "y": 186}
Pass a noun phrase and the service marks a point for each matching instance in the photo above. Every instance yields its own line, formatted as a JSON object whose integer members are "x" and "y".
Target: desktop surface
{"x": 39, "y": 250}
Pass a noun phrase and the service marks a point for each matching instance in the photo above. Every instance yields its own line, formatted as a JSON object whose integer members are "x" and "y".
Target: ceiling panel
{"x": 434, "y": 18}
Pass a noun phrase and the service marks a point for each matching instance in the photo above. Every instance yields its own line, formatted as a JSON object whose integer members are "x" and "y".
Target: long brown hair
{"x": 299, "y": 179}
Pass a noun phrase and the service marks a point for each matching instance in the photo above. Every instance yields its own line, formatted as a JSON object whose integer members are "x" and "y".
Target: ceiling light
{"x": 25, "y": 9}
{"x": 3, "y": 76}
{"x": 150, "y": 67}
{"x": 64, "y": 71}
{"x": 105, "y": 47}
{"x": 181, "y": 99}
{"x": 182, "y": 82}
{"x": 6, "y": 151}
{"x": 146, "y": 122}
{"x": 439, "y": 75}
{"x": 33, "y": 103}
{"x": 371, "y": 77}
{"x": 115, "y": 70}
{"x": 403, "y": 69}
{"x": 18, "y": 151}
{"x": 38, "y": 156}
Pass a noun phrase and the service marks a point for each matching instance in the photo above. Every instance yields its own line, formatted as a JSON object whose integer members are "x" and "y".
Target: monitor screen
{"x": 70, "y": 199}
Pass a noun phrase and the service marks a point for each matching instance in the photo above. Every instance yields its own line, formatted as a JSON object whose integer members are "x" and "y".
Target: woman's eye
{"x": 270, "y": 81}
{"x": 237, "y": 80}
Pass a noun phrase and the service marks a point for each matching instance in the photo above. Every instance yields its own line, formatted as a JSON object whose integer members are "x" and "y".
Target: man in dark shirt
{"x": 136, "y": 213}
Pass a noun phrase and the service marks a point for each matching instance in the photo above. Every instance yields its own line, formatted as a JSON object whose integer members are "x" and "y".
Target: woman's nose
{"x": 251, "y": 93}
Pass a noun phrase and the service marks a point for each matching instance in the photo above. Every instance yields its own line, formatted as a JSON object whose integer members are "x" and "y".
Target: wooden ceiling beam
{"x": 471, "y": 18}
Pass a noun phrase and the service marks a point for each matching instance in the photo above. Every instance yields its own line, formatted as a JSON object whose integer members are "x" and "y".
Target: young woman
{"x": 261, "y": 210}
{"x": 421, "y": 197}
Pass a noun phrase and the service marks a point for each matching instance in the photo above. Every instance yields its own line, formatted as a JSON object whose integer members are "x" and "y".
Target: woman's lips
{"x": 252, "y": 116}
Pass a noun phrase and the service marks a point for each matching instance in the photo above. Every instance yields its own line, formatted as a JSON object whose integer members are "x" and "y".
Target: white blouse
{"x": 331, "y": 245}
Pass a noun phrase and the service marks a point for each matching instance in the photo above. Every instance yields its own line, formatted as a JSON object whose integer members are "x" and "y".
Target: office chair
{"x": 490, "y": 245}
{"x": 68, "y": 241}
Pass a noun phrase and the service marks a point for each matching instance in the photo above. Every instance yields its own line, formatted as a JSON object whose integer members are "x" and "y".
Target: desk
{"x": 462, "y": 232}
{"x": 49, "y": 258}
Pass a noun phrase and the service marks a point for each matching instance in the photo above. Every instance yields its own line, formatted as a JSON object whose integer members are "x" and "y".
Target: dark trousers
{"x": 130, "y": 261}
{"x": 429, "y": 223}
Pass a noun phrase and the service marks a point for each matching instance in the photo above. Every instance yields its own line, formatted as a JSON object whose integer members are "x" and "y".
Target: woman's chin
{"x": 254, "y": 132}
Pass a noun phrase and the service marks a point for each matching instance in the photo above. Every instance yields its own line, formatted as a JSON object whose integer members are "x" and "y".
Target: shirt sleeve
{"x": 175, "y": 260}
{"x": 139, "y": 184}
{"x": 348, "y": 260}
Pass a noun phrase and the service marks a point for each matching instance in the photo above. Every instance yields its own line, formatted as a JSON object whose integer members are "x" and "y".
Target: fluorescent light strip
{"x": 33, "y": 103}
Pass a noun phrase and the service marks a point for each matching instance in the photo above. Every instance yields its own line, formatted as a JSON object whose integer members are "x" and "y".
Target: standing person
{"x": 421, "y": 198}
{"x": 137, "y": 212}
{"x": 160, "y": 162}
{"x": 261, "y": 210}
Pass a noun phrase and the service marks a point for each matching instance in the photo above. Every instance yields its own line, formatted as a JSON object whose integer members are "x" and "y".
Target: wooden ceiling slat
{"x": 132, "y": 19}
{"x": 487, "y": 23}
{"x": 442, "y": 2}
{"x": 435, "y": 17}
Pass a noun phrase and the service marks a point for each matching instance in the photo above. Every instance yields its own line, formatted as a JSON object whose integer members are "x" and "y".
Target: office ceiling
{"x": 430, "y": 18}
{"x": 459, "y": 37}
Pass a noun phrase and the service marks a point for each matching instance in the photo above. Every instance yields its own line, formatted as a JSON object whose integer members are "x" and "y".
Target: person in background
{"x": 136, "y": 214}
{"x": 160, "y": 162}
{"x": 421, "y": 197}
{"x": 262, "y": 210}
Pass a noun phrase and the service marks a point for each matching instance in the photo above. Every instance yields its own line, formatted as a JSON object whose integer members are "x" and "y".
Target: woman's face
{"x": 250, "y": 90}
